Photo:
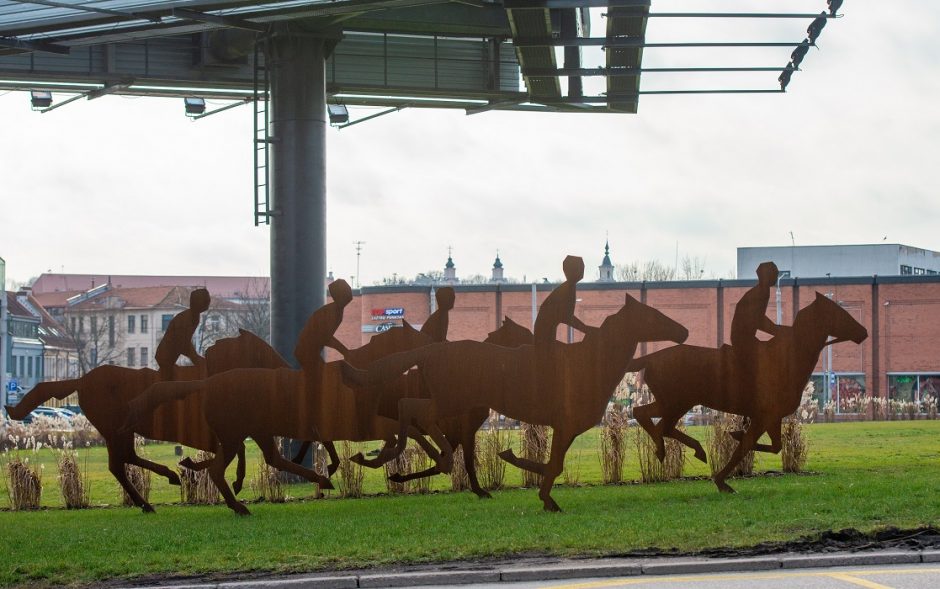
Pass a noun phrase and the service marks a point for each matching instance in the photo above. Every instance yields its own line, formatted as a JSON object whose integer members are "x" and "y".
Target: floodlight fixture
{"x": 338, "y": 113}
{"x": 40, "y": 99}
{"x": 194, "y": 106}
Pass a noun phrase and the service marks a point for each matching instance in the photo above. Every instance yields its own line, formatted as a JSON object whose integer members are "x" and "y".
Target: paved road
{"x": 911, "y": 576}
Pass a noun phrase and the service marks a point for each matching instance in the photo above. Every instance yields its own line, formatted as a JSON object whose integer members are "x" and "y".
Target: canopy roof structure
{"x": 472, "y": 54}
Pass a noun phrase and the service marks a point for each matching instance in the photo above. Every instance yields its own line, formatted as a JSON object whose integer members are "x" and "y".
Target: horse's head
{"x": 836, "y": 321}
{"x": 399, "y": 339}
{"x": 510, "y": 335}
{"x": 644, "y": 323}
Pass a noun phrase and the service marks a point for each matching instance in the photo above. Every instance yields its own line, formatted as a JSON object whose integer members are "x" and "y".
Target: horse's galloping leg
{"x": 155, "y": 468}
{"x": 116, "y": 460}
{"x": 404, "y": 478}
{"x": 427, "y": 446}
{"x": 689, "y": 441}
{"x": 561, "y": 441}
{"x": 224, "y": 454}
{"x": 745, "y": 446}
{"x": 468, "y": 440}
{"x": 644, "y": 415}
{"x": 239, "y": 469}
{"x": 334, "y": 457}
{"x": 524, "y": 463}
{"x": 774, "y": 447}
{"x": 274, "y": 458}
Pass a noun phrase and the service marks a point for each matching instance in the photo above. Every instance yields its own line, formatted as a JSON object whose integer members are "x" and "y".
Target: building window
{"x": 22, "y": 366}
{"x": 73, "y": 325}
{"x": 131, "y": 323}
{"x": 143, "y": 324}
{"x": 13, "y": 369}
{"x": 919, "y": 271}
{"x": 81, "y": 325}
{"x": 906, "y": 269}
{"x": 931, "y": 272}
{"x": 29, "y": 364}
{"x": 166, "y": 321}
{"x": 920, "y": 389}
{"x": 94, "y": 326}
{"x": 849, "y": 390}
{"x": 111, "y": 330}
{"x": 131, "y": 357}
{"x": 144, "y": 357}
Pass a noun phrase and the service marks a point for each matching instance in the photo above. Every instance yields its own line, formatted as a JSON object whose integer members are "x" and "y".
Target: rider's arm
{"x": 579, "y": 325}
{"x": 768, "y": 326}
{"x": 338, "y": 346}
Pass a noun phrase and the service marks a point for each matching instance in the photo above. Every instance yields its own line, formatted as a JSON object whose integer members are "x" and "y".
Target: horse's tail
{"x": 144, "y": 404}
{"x": 385, "y": 369}
{"x": 41, "y": 393}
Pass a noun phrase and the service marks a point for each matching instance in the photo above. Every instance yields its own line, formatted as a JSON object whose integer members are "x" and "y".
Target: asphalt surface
{"x": 892, "y": 569}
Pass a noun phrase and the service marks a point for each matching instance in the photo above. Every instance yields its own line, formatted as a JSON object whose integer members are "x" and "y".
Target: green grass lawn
{"x": 868, "y": 475}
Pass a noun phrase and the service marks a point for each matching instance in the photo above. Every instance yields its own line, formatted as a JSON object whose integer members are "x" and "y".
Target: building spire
{"x": 606, "y": 269}
{"x": 497, "y": 270}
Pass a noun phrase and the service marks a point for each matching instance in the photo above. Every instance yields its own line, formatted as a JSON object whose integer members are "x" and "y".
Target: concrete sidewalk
{"x": 548, "y": 569}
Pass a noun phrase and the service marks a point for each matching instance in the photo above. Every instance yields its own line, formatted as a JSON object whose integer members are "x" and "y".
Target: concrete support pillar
{"x": 297, "y": 69}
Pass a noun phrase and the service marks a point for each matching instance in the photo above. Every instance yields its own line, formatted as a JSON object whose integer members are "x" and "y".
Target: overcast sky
{"x": 848, "y": 155}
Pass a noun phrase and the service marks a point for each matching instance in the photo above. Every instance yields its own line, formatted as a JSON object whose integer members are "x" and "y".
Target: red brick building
{"x": 900, "y": 359}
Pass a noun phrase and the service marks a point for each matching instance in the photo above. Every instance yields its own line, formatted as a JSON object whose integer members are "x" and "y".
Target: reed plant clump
{"x": 571, "y": 475}
{"x": 23, "y": 479}
{"x": 651, "y": 469}
{"x": 268, "y": 484}
{"x": 419, "y": 462}
{"x": 534, "y": 442}
{"x": 794, "y": 447}
{"x": 721, "y": 445}
{"x": 459, "y": 479}
{"x": 140, "y": 479}
{"x": 490, "y": 442}
{"x": 196, "y": 486}
{"x": 613, "y": 443}
{"x": 74, "y": 482}
{"x": 930, "y": 406}
{"x": 401, "y": 465}
{"x": 350, "y": 473}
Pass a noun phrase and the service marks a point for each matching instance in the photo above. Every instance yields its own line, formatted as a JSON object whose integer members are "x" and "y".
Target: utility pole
{"x": 3, "y": 333}
{"x": 829, "y": 377}
{"x": 358, "y": 245}
{"x": 780, "y": 276}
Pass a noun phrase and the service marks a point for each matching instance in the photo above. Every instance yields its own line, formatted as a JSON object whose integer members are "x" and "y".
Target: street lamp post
{"x": 780, "y": 276}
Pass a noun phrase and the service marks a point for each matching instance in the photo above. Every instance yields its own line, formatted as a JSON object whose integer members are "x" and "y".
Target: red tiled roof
{"x": 219, "y": 286}
{"x": 15, "y": 308}
{"x": 151, "y": 297}
{"x": 52, "y": 300}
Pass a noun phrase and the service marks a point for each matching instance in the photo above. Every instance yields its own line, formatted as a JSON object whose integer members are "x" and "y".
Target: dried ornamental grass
{"x": 268, "y": 484}
{"x": 400, "y": 465}
{"x": 459, "y": 479}
{"x": 73, "y": 484}
{"x": 350, "y": 473}
{"x": 613, "y": 443}
{"x": 571, "y": 475}
{"x": 196, "y": 486}
{"x": 492, "y": 468}
{"x": 721, "y": 445}
{"x": 651, "y": 469}
{"x": 794, "y": 449}
{"x": 140, "y": 479}
{"x": 419, "y": 462}
{"x": 24, "y": 483}
{"x": 534, "y": 443}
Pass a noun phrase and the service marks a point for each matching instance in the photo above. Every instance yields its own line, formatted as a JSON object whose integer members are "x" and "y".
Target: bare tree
{"x": 692, "y": 268}
{"x": 249, "y": 310}
{"x": 97, "y": 336}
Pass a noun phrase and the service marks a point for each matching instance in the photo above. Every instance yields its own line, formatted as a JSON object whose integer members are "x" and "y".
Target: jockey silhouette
{"x": 178, "y": 339}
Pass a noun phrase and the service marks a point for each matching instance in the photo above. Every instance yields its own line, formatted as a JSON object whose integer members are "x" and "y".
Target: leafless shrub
{"x": 400, "y": 465}
{"x": 865, "y": 408}
{"x": 490, "y": 442}
{"x": 350, "y": 473}
{"x": 613, "y": 442}
{"x": 829, "y": 412}
{"x": 794, "y": 448}
{"x": 721, "y": 445}
{"x": 459, "y": 480}
{"x": 879, "y": 409}
{"x": 419, "y": 462}
{"x": 534, "y": 444}
{"x": 930, "y": 406}
{"x": 84, "y": 434}
{"x": 911, "y": 409}
{"x": 268, "y": 484}
{"x": 321, "y": 465}
{"x": 196, "y": 486}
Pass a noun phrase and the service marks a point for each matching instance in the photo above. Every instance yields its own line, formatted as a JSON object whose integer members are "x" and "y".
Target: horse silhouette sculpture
{"x": 570, "y": 397}
{"x": 263, "y": 404}
{"x": 459, "y": 431}
{"x": 105, "y": 394}
{"x": 770, "y": 389}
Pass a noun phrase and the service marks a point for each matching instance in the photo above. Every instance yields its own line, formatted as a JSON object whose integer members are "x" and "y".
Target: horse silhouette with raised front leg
{"x": 105, "y": 394}
{"x": 571, "y": 397}
{"x": 682, "y": 377}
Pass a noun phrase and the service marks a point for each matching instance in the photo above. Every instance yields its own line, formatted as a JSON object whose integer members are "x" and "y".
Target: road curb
{"x": 577, "y": 569}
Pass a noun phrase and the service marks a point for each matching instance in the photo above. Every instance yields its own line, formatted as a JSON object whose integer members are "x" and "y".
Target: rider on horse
{"x": 750, "y": 316}
{"x": 178, "y": 339}
{"x": 320, "y": 328}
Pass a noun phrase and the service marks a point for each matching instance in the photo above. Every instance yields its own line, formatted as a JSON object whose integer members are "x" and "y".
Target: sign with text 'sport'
{"x": 388, "y": 313}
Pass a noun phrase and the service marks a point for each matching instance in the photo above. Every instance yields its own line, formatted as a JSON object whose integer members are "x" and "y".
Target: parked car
{"x": 53, "y": 412}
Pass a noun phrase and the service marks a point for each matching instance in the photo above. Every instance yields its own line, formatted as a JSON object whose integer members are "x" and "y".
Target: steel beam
{"x": 87, "y": 8}
{"x": 14, "y": 43}
{"x": 635, "y": 42}
{"x": 633, "y": 71}
{"x": 222, "y": 21}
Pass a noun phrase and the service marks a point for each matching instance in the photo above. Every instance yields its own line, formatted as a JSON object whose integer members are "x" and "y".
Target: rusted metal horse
{"x": 681, "y": 377}
{"x": 105, "y": 392}
{"x": 571, "y": 397}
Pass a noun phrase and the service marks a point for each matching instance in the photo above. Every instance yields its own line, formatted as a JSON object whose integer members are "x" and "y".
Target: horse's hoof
{"x": 551, "y": 506}
{"x": 397, "y": 478}
{"x": 237, "y": 487}
{"x": 661, "y": 455}
{"x": 358, "y": 458}
{"x": 483, "y": 494}
{"x": 240, "y": 509}
{"x": 147, "y": 508}
{"x": 174, "y": 479}
{"x": 507, "y": 454}
{"x": 702, "y": 456}
{"x": 13, "y": 413}
{"x": 725, "y": 487}
{"x": 187, "y": 462}
{"x": 326, "y": 484}
{"x": 331, "y": 469}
